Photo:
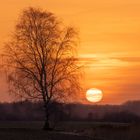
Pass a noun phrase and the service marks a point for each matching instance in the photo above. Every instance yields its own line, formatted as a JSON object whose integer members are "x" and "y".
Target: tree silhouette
{"x": 41, "y": 57}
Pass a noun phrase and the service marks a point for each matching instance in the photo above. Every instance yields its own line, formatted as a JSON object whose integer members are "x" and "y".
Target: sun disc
{"x": 94, "y": 95}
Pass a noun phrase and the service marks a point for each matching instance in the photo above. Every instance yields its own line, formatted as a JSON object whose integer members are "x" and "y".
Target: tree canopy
{"x": 41, "y": 56}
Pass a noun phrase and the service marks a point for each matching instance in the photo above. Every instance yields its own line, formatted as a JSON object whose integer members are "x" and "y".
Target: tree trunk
{"x": 47, "y": 122}
{"x": 47, "y": 125}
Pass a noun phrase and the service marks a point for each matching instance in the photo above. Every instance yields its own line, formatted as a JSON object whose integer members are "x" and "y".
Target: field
{"x": 69, "y": 131}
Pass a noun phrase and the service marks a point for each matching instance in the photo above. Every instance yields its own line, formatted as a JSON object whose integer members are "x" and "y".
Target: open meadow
{"x": 69, "y": 131}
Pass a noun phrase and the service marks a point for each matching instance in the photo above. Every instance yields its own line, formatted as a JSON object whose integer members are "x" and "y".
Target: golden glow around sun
{"x": 94, "y": 95}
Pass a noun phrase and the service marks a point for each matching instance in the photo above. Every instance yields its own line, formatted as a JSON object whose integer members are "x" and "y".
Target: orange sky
{"x": 110, "y": 41}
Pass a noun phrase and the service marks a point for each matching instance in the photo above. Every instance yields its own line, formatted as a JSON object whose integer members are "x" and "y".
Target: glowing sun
{"x": 94, "y": 95}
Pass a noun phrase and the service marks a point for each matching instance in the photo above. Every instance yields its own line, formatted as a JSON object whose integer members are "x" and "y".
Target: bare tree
{"x": 41, "y": 56}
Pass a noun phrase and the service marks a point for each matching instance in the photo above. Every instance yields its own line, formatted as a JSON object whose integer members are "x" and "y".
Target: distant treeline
{"x": 33, "y": 111}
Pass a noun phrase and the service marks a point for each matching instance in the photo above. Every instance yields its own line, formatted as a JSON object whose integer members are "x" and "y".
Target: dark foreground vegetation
{"x": 24, "y": 121}
{"x": 70, "y": 131}
{"x": 128, "y": 112}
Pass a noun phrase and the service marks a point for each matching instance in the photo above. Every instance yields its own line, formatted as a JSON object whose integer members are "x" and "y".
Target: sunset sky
{"x": 109, "y": 49}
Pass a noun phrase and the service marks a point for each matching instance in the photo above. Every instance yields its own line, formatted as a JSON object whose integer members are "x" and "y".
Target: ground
{"x": 70, "y": 131}
{"x": 32, "y": 134}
